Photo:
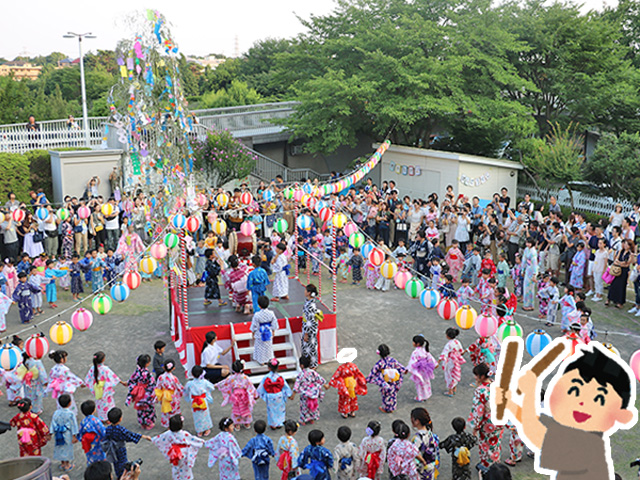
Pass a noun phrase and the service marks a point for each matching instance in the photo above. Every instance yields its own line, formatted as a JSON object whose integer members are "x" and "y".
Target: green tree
{"x": 15, "y": 175}
{"x": 257, "y": 67}
{"x": 14, "y": 98}
{"x": 220, "y": 77}
{"x": 614, "y": 165}
{"x": 237, "y": 93}
{"x": 222, "y": 158}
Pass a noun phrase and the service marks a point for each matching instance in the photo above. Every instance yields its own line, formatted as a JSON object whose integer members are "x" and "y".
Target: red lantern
{"x": 376, "y": 257}
{"x": 447, "y": 308}
{"x": 325, "y": 214}
{"x": 18, "y": 215}
{"x": 132, "y": 279}
{"x": 311, "y": 202}
{"x": 37, "y": 346}
{"x": 246, "y": 198}
{"x": 193, "y": 224}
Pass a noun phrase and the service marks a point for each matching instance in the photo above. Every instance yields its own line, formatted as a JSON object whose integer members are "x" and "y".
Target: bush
{"x": 15, "y": 176}
{"x": 40, "y": 171}
{"x": 222, "y": 158}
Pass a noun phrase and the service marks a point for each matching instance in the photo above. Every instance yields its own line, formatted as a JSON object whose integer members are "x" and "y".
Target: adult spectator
{"x": 96, "y": 224}
{"x": 114, "y": 179}
{"x": 504, "y": 201}
{"x": 553, "y": 205}
{"x": 414, "y": 217}
{"x": 618, "y": 288}
{"x": 92, "y": 188}
{"x": 112, "y": 226}
{"x": 463, "y": 227}
{"x": 595, "y": 231}
{"x": 616, "y": 217}
{"x": 102, "y": 470}
{"x": 476, "y": 213}
{"x": 12, "y": 204}
{"x": 80, "y": 234}
{"x": 10, "y": 233}
{"x": 384, "y": 222}
{"x": 554, "y": 239}
{"x": 515, "y": 233}
{"x": 210, "y": 358}
{"x": 627, "y": 231}
{"x": 372, "y": 213}
{"x": 27, "y": 232}
{"x": 526, "y": 205}
{"x": 50, "y": 229}
{"x": 34, "y": 131}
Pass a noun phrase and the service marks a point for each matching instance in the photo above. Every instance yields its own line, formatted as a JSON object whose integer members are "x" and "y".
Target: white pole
{"x": 85, "y": 117}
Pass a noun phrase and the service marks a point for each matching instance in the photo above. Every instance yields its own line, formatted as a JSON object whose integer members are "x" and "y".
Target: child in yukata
{"x": 199, "y": 392}
{"x": 114, "y": 444}
{"x": 349, "y": 381}
{"x": 212, "y": 269}
{"x": 91, "y": 433}
{"x": 169, "y": 392}
{"x": 51, "y": 274}
{"x": 591, "y": 396}
{"x": 465, "y": 292}
{"x": 259, "y": 450}
{"x": 257, "y": 282}
{"x": 238, "y": 390}
{"x": 343, "y": 267}
{"x": 345, "y": 456}
{"x": 37, "y": 281}
{"x": 356, "y": 263}
{"x": 503, "y": 270}
{"x": 316, "y": 457}
{"x": 224, "y": 448}
{"x": 97, "y": 266}
{"x": 263, "y": 327}
{"x": 567, "y": 305}
{"x": 64, "y": 427}
{"x": 436, "y": 271}
{"x": 543, "y": 302}
{"x": 281, "y": 270}
{"x": 455, "y": 260}
{"x": 551, "y": 294}
{"x": 275, "y": 391}
{"x": 288, "y": 451}
{"x": 22, "y": 296}
{"x": 457, "y": 445}
{"x": 309, "y": 385}
{"x": 179, "y": 447}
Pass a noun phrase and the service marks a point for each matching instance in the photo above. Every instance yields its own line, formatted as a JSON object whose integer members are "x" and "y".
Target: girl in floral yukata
{"x": 349, "y": 381}
{"x": 451, "y": 360}
{"x": 310, "y": 325}
{"x": 387, "y": 374}
{"x": 238, "y": 390}
{"x": 141, "y": 393}
{"x": 61, "y": 380}
{"x": 236, "y": 284}
{"x": 372, "y": 452}
{"x": 483, "y": 350}
{"x": 427, "y": 443}
{"x": 421, "y": 366}
{"x": 402, "y": 455}
{"x": 274, "y": 391}
{"x": 199, "y": 391}
{"x": 101, "y": 382}
{"x": 169, "y": 392}
{"x": 530, "y": 262}
{"x": 455, "y": 260}
{"x": 543, "y": 299}
{"x": 479, "y": 420}
{"x": 517, "y": 274}
{"x": 225, "y": 449}
{"x": 309, "y": 385}
{"x": 33, "y": 433}
{"x": 288, "y": 451}
{"x": 576, "y": 269}
{"x": 179, "y": 447}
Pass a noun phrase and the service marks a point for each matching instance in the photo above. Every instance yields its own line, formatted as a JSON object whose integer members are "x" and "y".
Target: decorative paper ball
{"x": 611, "y": 348}
{"x": 288, "y": 193}
{"x": 179, "y": 221}
{"x": 447, "y": 308}
{"x": 317, "y": 191}
{"x": 509, "y": 329}
{"x": 201, "y": 199}
{"x": 148, "y": 265}
{"x": 81, "y": 319}
{"x": 325, "y": 214}
{"x": 219, "y": 227}
{"x": 311, "y": 202}
{"x": 171, "y": 240}
{"x": 222, "y": 200}
{"x": 297, "y": 195}
{"x": 120, "y": 292}
{"x": 268, "y": 195}
{"x": 388, "y": 269}
{"x": 132, "y": 279}
{"x": 401, "y": 278}
{"x": 10, "y": 356}
{"x": 356, "y": 240}
{"x": 376, "y": 257}
{"x": 365, "y": 250}
{"x": 212, "y": 216}
{"x": 414, "y": 287}
{"x": 486, "y": 325}
{"x": 193, "y": 224}
{"x": 158, "y": 251}
{"x": 84, "y": 212}
{"x": 107, "y": 209}
{"x": 350, "y": 228}
{"x": 248, "y": 228}
{"x": 101, "y": 304}
{"x": 466, "y": 317}
{"x": 307, "y": 188}
{"x": 634, "y": 363}
{"x": 62, "y": 213}
{"x": 429, "y": 298}
{"x": 281, "y": 225}
{"x": 304, "y": 222}
{"x": 37, "y": 346}
{"x": 340, "y": 220}
{"x": 61, "y": 333}
{"x": 42, "y": 213}
{"x": 320, "y": 204}
{"x": 18, "y": 215}
{"x": 246, "y": 198}
{"x": 537, "y": 341}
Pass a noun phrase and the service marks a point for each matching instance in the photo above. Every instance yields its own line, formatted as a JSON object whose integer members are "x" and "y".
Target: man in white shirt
{"x": 112, "y": 227}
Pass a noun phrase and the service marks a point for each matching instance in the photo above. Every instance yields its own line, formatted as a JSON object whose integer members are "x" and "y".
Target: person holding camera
{"x": 102, "y": 470}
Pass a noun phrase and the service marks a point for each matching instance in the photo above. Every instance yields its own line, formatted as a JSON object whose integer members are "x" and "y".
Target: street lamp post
{"x": 85, "y": 118}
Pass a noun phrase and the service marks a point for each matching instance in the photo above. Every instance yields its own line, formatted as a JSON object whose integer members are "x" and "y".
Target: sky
{"x": 199, "y": 26}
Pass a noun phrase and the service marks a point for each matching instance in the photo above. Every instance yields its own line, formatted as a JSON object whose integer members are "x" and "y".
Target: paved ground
{"x": 366, "y": 319}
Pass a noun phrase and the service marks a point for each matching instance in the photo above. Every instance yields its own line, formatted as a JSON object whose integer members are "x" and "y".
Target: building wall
{"x": 469, "y": 175}
{"x": 70, "y": 171}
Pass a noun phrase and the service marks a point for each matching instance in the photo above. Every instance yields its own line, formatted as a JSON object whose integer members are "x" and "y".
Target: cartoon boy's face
{"x": 587, "y": 406}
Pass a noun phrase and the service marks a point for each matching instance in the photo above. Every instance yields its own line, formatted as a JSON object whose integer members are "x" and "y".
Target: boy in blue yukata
{"x": 114, "y": 441}
{"x": 257, "y": 282}
{"x": 64, "y": 427}
{"x": 91, "y": 433}
{"x": 50, "y": 274}
{"x": 316, "y": 457}
{"x": 259, "y": 450}
{"x": 24, "y": 266}
{"x": 22, "y": 296}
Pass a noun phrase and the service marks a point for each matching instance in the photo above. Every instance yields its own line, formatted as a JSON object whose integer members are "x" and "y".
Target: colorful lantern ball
{"x": 101, "y": 304}
{"x": 120, "y": 292}
{"x": 356, "y": 240}
{"x": 63, "y": 214}
{"x": 84, "y": 212}
{"x": 171, "y": 240}
{"x": 158, "y": 251}
{"x": 350, "y": 228}
{"x": 401, "y": 278}
{"x": 414, "y": 287}
{"x": 246, "y": 198}
{"x": 325, "y": 214}
{"x": 304, "y": 222}
{"x": 81, "y": 319}
{"x": 447, "y": 308}
{"x": 10, "y": 356}
{"x": 193, "y": 224}
{"x": 148, "y": 265}
{"x": 509, "y": 329}
{"x": 248, "y": 228}
{"x": 219, "y": 227}
{"x": 107, "y": 209}
{"x": 466, "y": 317}
{"x": 388, "y": 269}
{"x": 18, "y": 215}
{"x": 61, "y": 333}
{"x": 179, "y": 221}
{"x": 132, "y": 279}
{"x": 376, "y": 257}
{"x": 537, "y": 341}
{"x": 429, "y": 298}
{"x": 281, "y": 226}
{"x": 222, "y": 200}
{"x": 486, "y": 325}
{"x": 340, "y": 220}
{"x": 37, "y": 346}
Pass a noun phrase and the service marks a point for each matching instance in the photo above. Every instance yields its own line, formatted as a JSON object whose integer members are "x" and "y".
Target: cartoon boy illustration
{"x": 591, "y": 396}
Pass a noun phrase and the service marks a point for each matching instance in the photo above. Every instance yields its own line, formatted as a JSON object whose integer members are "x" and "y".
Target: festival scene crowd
{"x": 497, "y": 255}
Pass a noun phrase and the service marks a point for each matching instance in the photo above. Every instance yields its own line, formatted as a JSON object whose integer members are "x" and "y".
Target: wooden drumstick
{"x": 512, "y": 355}
{"x": 548, "y": 358}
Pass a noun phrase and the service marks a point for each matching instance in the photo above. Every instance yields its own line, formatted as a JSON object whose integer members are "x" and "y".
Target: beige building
{"x": 20, "y": 70}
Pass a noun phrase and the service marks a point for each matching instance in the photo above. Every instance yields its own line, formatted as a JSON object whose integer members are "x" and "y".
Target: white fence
{"x": 582, "y": 202}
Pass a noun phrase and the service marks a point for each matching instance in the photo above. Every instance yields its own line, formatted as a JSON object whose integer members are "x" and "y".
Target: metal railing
{"x": 267, "y": 169}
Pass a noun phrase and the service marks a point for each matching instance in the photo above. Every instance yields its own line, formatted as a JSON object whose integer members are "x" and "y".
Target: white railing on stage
{"x": 15, "y": 138}
{"x": 582, "y": 202}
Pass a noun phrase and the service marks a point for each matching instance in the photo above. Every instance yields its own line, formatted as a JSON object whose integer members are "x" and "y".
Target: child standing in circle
{"x": 421, "y": 366}
{"x": 372, "y": 452}
{"x": 224, "y": 448}
{"x": 101, "y": 382}
{"x": 451, "y": 360}
{"x": 238, "y": 390}
{"x": 387, "y": 374}
{"x": 274, "y": 391}
{"x": 141, "y": 393}
{"x": 310, "y": 325}
{"x": 169, "y": 392}
{"x": 199, "y": 392}
{"x": 61, "y": 380}
{"x": 310, "y": 386}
